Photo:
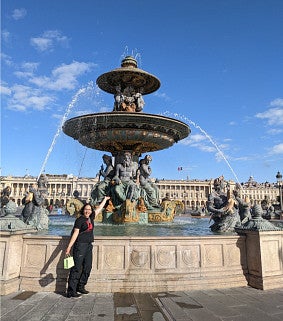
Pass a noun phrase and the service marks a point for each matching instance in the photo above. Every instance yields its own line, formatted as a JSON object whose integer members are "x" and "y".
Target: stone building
{"x": 193, "y": 193}
{"x": 60, "y": 188}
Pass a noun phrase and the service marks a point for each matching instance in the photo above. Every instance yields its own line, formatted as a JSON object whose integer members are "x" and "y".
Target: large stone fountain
{"x": 127, "y": 133}
{"x": 253, "y": 257}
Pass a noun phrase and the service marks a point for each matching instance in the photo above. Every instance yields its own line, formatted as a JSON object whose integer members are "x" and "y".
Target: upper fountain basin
{"x": 140, "y": 80}
{"x": 118, "y": 131}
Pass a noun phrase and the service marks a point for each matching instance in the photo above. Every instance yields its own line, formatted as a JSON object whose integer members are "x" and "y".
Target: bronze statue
{"x": 102, "y": 188}
{"x": 34, "y": 213}
{"x": 222, "y": 208}
{"x": 148, "y": 190}
{"x": 124, "y": 182}
{"x": 5, "y": 198}
{"x": 129, "y": 100}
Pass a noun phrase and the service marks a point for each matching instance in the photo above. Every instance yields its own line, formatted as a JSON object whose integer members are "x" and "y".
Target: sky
{"x": 220, "y": 64}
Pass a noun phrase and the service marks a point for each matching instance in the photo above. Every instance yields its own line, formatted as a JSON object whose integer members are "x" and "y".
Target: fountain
{"x": 132, "y": 262}
{"x": 127, "y": 133}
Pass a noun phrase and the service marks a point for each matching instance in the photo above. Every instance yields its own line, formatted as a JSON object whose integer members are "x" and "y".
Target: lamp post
{"x": 279, "y": 183}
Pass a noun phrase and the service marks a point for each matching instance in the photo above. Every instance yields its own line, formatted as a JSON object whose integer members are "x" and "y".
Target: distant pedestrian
{"x": 81, "y": 239}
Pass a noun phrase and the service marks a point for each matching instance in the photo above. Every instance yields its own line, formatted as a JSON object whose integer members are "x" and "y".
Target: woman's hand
{"x": 68, "y": 250}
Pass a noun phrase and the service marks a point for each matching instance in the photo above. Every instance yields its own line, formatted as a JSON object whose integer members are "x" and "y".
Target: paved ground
{"x": 237, "y": 304}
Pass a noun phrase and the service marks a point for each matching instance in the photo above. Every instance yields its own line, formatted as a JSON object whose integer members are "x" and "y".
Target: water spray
{"x": 183, "y": 118}
{"x": 59, "y": 130}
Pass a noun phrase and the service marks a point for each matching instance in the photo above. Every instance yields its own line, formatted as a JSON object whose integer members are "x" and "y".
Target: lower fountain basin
{"x": 118, "y": 131}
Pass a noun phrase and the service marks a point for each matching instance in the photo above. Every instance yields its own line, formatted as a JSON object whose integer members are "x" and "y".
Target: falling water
{"x": 80, "y": 170}
{"x": 185, "y": 119}
{"x": 134, "y": 54}
{"x": 59, "y": 130}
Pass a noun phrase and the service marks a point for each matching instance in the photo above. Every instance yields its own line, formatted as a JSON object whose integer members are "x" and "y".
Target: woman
{"x": 82, "y": 238}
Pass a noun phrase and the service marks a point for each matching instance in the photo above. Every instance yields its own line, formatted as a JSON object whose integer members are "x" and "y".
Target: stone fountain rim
{"x": 164, "y": 130}
{"x": 128, "y": 114}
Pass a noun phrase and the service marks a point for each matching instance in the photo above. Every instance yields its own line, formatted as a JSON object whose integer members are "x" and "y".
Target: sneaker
{"x": 82, "y": 291}
{"x": 73, "y": 295}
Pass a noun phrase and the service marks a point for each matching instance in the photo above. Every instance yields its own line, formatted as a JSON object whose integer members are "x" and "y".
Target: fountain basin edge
{"x": 116, "y": 131}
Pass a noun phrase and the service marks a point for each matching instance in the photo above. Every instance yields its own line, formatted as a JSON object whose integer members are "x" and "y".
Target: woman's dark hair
{"x": 92, "y": 210}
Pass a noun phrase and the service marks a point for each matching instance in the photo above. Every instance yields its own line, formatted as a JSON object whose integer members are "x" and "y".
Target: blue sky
{"x": 220, "y": 64}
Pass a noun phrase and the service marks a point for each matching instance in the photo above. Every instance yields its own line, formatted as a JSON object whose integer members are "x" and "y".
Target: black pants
{"x": 79, "y": 273}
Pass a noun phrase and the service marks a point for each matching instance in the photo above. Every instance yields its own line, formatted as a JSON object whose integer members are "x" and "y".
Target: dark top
{"x": 85, "y": 226}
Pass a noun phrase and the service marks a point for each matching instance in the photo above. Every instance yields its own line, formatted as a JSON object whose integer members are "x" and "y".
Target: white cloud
{"x": 274, "y": 116}
{"x": 192, "y": 139}
{"x": 30, "y": 66}
{"x": 19, "y": 14}
{"x": 27, "y": 70}
{"x": 6, "y": 59}
{"x": 206, "y": 148}
{"x": 162, "y": 96}
{"x": 223, "y": 146}
{"x": 56, "y": 36}
{"x": 63, "y": 77}
{"x": 23, "y": 74}
{"x": 41, "y": 44}
{"x": 24, "y": 97}
{"x": 198, "y": 141}
{"x": 48, "y": 40}
{"x": 5, "y": 35}
{"x": 274, "y": 131}
{"x": 278, "y": 102}
{"x": 5, "y": 90}
{"x": 277, "y": 149}
{"x": 243, "y": 158}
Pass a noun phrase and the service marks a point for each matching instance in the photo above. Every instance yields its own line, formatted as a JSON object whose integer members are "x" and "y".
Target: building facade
{"x": 193, "y": 193}
{"x": 60, "y": 188}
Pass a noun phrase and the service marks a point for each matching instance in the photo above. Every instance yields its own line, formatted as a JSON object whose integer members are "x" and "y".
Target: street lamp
{"x": 279, "y": 183}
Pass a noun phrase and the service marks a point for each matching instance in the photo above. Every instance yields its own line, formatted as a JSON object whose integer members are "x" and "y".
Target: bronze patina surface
{"x": 128, "y": 75}
{"x": 116, "y": 131}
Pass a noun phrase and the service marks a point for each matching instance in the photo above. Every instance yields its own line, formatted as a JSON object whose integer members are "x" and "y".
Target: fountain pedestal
{"x": 264, "y": 246}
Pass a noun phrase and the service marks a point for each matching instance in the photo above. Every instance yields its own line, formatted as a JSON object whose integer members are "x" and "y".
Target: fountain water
{"x": 127, "y": 133}
{"x": 181, "y": 226}
{"x": 189, "y": 121}
{"x": 65, "y": 116}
